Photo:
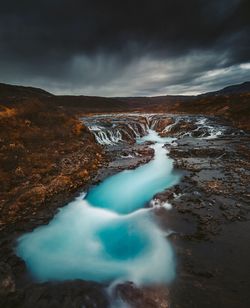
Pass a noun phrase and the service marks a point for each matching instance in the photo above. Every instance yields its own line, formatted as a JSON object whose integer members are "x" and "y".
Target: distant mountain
{"x": 234, "y": 89}
{"x": 231, "y": 103}
{"x": 8, "y": 91}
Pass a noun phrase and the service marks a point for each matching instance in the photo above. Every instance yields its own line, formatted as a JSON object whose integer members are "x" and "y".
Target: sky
{"x": 125, "y": 48}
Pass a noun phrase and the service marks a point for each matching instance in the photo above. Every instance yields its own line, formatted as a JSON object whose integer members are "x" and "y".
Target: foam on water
{"x": 94, "y": 244}
{"x": 154, "y": 137}
{"x": 107, "y": 236}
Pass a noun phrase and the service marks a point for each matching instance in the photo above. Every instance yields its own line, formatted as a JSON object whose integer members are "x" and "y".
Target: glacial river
{"x": 108, "y": 235}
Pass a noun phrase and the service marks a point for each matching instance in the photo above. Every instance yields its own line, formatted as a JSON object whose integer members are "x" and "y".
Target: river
{"x": 108, "y": 234}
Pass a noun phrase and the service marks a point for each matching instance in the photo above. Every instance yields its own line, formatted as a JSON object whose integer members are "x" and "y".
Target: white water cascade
{"x": 115, "y": 129}
{"x": 112, "y": 131}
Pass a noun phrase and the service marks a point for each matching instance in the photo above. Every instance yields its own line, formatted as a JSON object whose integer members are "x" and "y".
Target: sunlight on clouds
{"x": 245, "y": 66}
{"x": 101, "y": 75}
{"x": 150, "y": 76}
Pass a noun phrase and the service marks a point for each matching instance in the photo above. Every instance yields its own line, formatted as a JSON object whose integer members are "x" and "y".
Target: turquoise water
{"x": 107, "y": 235}
{"x": 129, "y": 190}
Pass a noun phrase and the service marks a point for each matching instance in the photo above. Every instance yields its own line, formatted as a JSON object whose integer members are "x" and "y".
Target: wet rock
{"x": 180, "y": 127}
{"x": 162, "y": 124}
{"x": 155, "y": 297}
{"x": 208, "y": 196}
{"x": 201, "y": 132}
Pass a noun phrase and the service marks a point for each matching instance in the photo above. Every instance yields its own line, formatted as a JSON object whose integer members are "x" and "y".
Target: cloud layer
{"x": 116, "y": 48}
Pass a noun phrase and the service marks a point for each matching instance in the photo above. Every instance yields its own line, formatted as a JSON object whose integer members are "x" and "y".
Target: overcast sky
{"x": 125, "y": 48}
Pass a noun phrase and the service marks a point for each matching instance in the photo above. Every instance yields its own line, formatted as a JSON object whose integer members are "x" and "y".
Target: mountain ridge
{"x": 243, "y": 87}
{"x": 232, "y": 89}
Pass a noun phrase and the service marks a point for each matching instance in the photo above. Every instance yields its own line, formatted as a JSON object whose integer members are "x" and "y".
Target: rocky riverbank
{"x": 47, "y": 156}
{"x": 210, "y": 219}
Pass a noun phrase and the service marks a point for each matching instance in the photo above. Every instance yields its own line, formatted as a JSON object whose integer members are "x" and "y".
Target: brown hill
{"x": 45, "y": 154}
{"x": 232, "y": 103}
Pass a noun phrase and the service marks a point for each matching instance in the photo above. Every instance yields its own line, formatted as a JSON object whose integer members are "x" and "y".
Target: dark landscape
{"x": 49, "y": 153}
{"x": 125, "y": 154}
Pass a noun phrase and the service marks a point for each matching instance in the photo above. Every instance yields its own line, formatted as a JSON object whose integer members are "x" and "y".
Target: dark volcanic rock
{"x": 72, "y": 294}
{"x": 7, "y": 282}
{"x": 150, "y": 297}
{"x": 180, "y": 127}
{"x": 210, "y": 216}
{"x": 161, "y": 124}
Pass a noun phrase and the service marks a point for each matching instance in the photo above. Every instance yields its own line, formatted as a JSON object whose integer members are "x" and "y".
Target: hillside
{"x": 14, "y": 92}
{"x": 234, "y": 89}
{"x": 44, "y": 153}
{"x": 231, "y": 103}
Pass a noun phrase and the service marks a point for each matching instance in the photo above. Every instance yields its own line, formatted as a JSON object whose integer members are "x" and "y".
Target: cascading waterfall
{"x": 122, "y": 132}
{"x": 106, "y": 136}
{"x": 138, "y": 129}
{"x": 204, "y": 127}
{"x": 130, "y": 127}
{"x": 152, "y": 122}
{"x": 119, "y": 131}
{"x": 115, "y": 129}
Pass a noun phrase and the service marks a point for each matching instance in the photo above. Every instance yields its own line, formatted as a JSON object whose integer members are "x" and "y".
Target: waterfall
{"x": 110, "y": 131}
{"x": 139, "y": 129}
{"x": 106, "y": 136}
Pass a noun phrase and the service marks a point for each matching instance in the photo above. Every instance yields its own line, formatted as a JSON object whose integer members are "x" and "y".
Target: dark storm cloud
{"x": 124, "y": 47}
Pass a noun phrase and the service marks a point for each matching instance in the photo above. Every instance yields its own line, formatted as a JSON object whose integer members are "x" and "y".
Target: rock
{"x": 35, "y": 195}
{"x": 7, "y": 282}
{"x": 179, "y": 128}
{"x": 161, "y": 124}
{"x": 150, "y": 297}
{"x": 19, "y": 172}
{"x": 71, "y": 294}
